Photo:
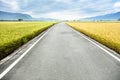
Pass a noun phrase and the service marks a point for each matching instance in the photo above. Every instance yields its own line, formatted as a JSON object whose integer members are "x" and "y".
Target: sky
{"x": 61, "y": 9}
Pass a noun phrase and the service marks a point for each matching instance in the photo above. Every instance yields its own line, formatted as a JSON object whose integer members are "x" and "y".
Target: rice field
{"x": 15, "y": 34}
{"x": 104, "y": 32}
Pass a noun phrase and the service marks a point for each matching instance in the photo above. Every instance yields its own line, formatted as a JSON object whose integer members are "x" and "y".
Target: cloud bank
{"x": 61, "y": 9}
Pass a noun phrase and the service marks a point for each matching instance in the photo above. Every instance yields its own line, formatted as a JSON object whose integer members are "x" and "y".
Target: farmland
{"x": 15, "y": 34}
{"x": 103, "y": 32}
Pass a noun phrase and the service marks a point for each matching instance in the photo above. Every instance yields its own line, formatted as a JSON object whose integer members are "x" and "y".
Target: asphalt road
{"x": 65, "y": 55}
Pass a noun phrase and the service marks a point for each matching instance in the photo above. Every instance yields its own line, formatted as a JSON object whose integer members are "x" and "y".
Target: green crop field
{"x": 15, "y": 34}
{"x": 107, "y": 33}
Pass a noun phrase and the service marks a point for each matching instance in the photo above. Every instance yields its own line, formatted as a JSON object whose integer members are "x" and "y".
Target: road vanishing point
{"x": 63, "y": 54}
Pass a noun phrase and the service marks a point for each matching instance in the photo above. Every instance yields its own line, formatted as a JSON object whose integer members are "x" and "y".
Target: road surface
{"x": 63, "y": 54}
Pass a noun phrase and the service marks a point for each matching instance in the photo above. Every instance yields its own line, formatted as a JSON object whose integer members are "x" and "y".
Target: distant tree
{"x": 20, "y": 19}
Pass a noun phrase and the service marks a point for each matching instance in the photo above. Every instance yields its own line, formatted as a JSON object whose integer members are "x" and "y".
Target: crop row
{"x": 105, "y": 33}
{"x": 15, "y": 34}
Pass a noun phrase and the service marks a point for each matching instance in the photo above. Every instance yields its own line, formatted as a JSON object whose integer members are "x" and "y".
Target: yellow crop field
{"x": 105, "y": 33}
{"x": 15, "y": 34}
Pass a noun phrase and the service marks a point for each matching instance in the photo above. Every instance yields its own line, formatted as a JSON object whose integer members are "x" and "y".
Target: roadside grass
{"x": 105, "y": 33}
{"x": 15, "y": 34}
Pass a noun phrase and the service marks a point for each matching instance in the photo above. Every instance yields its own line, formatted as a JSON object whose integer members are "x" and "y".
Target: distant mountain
{"x": 113, "y": 16}
{"x": 13, "y": 16}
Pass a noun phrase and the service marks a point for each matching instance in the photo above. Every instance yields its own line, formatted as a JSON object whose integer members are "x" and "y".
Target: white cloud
{"x": 62, "y": 9}
{"x": 117, "y": 4}
{"x": 28, "y": 12}
{"x": 64, "y": 1}
{"x": 82, "y": 9}
{"x": 25, "y": 2}
{"x": 13, "y": 5}
{"x": 63, "y": 15}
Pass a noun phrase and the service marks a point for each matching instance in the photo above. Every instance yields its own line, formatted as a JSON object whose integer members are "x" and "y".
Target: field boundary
{"x": 108, "y": 50}
{"x": 11, "y": 44}
{"x": 109, "y": 38}
{"x": 21, "y": 48}
{"x": 30, "y": 45}
{"x": 24, "y": 46}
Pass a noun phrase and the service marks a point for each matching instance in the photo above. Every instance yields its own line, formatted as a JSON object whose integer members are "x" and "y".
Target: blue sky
{"x": 61, "y": 9}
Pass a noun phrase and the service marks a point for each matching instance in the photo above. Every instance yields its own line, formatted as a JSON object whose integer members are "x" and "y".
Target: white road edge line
{"x": 111, "y": 54}
{"x": 15, "y": 62}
